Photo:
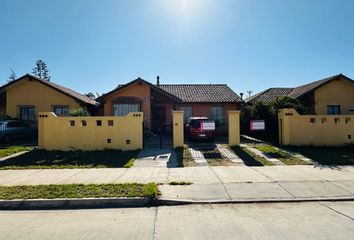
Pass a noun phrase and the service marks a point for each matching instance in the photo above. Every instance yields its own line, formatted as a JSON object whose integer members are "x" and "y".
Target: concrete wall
{"x": 178, "y": 129}
{"x": 139, "y": 90}
{"x": 56, "y": 133}
{"x": 337, "y": 92}
{"x": 317, "y": 130}
{"x": 31, "y": 92}
{"x": 234, "y": 128}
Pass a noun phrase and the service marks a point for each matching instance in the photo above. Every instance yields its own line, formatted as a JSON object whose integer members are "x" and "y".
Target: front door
{"x": 159, "y": 114}
{"x": 158, "y": 132}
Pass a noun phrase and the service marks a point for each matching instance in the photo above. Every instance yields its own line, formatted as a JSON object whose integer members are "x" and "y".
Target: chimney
{"x": 158, "y": 81}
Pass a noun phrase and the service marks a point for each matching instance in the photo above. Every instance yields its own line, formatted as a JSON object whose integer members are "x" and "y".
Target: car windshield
{"x": 195, "y": 123}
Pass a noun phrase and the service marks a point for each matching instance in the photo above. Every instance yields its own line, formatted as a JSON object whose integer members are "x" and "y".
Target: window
{"x": 83, "y": 123}
{"x": 323, "y": 120}
{"x": 347, "y": 120}
{"x": 217, "y": 114}
{"x": 333, "y": 109}
{"x": 99, "y": 123}
{"x": 110, "y": 122}
{"x": 27, "y": 113}
{"x": 187, "y": 112}
{"x": 313, "y": 120}
{"x": 336, "y": 120}
{"x": 61, "y": 110}
{"x": 71, "y": 123}
{"x": 122, "y": 109}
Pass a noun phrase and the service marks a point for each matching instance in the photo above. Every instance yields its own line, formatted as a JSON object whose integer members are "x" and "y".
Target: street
{"x": 311, "y": 220}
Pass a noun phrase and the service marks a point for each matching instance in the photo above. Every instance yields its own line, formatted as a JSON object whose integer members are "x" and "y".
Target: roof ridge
{"x": 61, "y": 88}
{"x": 196, "y": 84}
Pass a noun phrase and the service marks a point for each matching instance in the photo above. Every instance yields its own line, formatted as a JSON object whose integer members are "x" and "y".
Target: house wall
{"x": 139, "y": 90}
{"x": 31, "y": 92}
{"x": 295, "y": 129}
{"x": 204, "y": 110}
{"x": 337, "y": 92}
{"x": 56, "y": 133}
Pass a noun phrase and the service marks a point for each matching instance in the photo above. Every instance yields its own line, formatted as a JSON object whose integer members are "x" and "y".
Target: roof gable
{"x": 66, "y": 91}
{"x": 302, "y": 90}
{"x": 269, "y": 95}
{"x": 124, "y": 86}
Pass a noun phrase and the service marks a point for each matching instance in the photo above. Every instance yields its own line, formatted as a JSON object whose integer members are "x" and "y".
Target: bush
{"x": 79, "y": 112}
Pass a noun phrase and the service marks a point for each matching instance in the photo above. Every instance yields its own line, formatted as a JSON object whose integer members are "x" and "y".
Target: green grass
{"x": 259, "y": 159}
{"x": 273, "y": 152}
{"x": 184, "y": 157}
{"x": 11, "y": 150}
{"x": 37, "y": 159}
{"x": 180, "y": 183}
{"x": 149, "y": 190}
{"x": 327, "y": 155}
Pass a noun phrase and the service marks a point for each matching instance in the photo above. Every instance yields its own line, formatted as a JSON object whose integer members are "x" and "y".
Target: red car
{"x": 200, "y": 128}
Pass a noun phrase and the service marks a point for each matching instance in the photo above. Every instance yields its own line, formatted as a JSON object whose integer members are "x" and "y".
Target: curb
{"x": 33, "y": 204}
{"x": 87, "y": 203}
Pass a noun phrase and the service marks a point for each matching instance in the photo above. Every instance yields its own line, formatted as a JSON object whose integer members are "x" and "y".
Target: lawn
{"x": 273, "y": 152}
{"x": 79, "y": 191}
{"x": 249, "y": 158}
{"x": 184, "y": 157}
{"x": 37, "y": 158}
{"x": 4, "y": 152}
{"x": 327, "y": 155}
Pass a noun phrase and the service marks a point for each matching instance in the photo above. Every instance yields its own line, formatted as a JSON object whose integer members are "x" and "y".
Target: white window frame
{"x": 122, "y": 109}
{"x": 218, "y": 115}
{"x": 64, "y": 110}
{"x": 187, "y": 112}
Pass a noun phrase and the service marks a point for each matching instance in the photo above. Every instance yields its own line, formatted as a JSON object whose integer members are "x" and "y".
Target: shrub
{"x": 79, "y": 112}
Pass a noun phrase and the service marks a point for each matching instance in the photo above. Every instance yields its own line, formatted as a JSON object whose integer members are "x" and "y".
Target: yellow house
{"x": 333, "y": 95}
{"x": 25, "y": 97}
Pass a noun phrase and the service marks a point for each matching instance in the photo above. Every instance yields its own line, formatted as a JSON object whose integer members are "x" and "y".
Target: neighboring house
{"x": 158, "y": 101}
{"x": 28, "y": 95}
{"x": 333, "y": 95}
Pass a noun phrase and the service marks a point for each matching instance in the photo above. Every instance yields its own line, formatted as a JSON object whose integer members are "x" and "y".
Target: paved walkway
{"x": 156, "y": 158}
{"x": 209, "y": 183}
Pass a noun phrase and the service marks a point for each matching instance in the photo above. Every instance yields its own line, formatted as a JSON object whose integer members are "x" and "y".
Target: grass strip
{"x": 329, "y": 155}
{"x": 39, "y": 159}
{"x": 11, "y": 150}
{"x": 259, "y": 159}
{"x": 149, "y": 190}
{"x": 273, "y": 152}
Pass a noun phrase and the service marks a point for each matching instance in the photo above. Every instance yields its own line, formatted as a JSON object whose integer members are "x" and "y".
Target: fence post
{"x": 234, "y": 127}
{"x": 178, "y": 131}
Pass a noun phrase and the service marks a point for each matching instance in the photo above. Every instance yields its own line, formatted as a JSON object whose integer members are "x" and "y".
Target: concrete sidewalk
{"x": 209, "y": 183}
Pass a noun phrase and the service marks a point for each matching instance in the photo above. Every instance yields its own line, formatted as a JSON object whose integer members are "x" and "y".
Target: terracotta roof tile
{"x": 200, "y": 93}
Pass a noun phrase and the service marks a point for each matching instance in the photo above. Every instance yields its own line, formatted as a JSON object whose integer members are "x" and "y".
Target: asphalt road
{"x": 316, "y": 220}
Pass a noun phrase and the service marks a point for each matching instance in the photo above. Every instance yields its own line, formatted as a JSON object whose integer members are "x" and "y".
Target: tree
{"x": 288, "y": 102}
{"x": 90, "y": 95}
{"x": 41, "y": 70}
{"x": 12, "y": 76}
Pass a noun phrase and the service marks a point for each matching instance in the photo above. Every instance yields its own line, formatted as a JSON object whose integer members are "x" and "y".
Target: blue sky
{"x": 249, "y": 44}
